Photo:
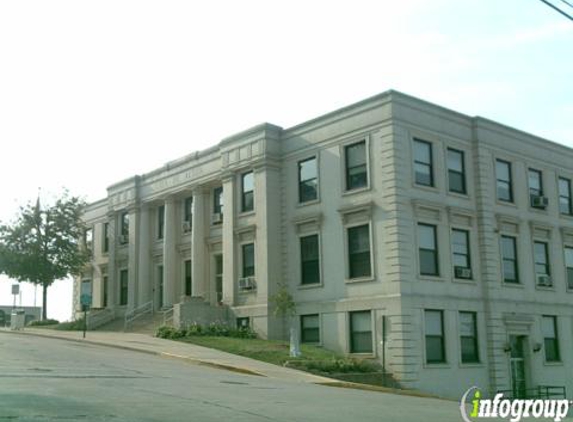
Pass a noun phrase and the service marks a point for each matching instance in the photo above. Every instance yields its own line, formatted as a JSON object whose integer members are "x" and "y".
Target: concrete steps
{"x": 147, "y": 324}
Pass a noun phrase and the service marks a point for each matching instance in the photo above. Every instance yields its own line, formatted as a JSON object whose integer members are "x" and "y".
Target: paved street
{"x": 45, "y": 379}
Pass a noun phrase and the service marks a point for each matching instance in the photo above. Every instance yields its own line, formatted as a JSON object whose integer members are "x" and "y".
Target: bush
{"x": 340, "y": 365}
{"x": 214, "y": 329}
{"x": 77, "y": 325}
{"x": 38, "y": 323}
{"x": 168, "y": 332}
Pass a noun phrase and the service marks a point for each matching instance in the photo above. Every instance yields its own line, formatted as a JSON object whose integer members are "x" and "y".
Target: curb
{"x": 231, "y": 368}
{"x": 166, "y": 355}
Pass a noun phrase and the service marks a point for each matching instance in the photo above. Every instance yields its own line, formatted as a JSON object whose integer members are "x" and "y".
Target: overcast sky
{"x": 94, "y": 92}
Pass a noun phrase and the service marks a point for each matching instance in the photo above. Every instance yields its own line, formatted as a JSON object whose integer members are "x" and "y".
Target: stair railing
{"x": 136, "y": 313}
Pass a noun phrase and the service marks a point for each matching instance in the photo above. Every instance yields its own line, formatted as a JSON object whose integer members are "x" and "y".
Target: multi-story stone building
{"x": 436, "y": 243}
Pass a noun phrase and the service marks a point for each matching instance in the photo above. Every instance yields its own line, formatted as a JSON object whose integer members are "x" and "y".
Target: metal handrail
{"x": 539, "y": 392}
{"x": 167, "y": 316}
{"x": 135, "y": 313}
{"x": 98, "y": 318}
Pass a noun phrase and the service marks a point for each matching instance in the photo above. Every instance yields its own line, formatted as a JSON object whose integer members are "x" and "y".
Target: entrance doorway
{"x": 219, "y": 277}
{"x": 160, "y": 286}
{"x": 517, "y": 366}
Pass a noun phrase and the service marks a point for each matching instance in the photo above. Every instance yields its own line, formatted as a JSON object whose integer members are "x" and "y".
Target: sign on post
{"x": 15, "y": 289}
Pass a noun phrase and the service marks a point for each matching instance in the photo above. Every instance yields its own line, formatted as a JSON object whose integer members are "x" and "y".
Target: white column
{"x": 268, "y": 261}
{"x": 133, "y": 257}
{"x": 229, "y": 262}
{"x": 111, "y": 264}
{"x": 170, "y": 253}
{"x": 144, "y": 276}
{"x": 198, "y": 256}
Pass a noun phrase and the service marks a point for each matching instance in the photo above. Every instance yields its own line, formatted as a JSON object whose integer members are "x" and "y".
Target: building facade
{"x": 439, "y": 244}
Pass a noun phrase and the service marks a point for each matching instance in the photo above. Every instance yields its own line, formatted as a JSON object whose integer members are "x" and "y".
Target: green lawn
{"x": 314, "y": 359}
{"x": 272, "y": 351}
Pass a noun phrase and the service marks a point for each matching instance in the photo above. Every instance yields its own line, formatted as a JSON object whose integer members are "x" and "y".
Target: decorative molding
{"x": 427, "y": 210}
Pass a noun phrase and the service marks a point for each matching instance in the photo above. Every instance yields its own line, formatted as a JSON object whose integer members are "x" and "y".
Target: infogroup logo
{"x": 515, "y": 410}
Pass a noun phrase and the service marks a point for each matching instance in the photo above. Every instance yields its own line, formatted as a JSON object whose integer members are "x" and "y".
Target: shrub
{"x": 38, "y": 323}
{"x": 341, "y": 365}
{"x": 168, "y": 332}
{"x": 214, "y": 329}
{"x": 77, "y": 325}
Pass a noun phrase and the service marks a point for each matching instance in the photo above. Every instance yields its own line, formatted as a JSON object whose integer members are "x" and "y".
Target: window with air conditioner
{"x": 461, "y": 254}
{"x": 542, "y": 269}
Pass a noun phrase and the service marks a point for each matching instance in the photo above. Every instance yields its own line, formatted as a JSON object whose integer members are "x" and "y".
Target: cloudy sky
{"x": 92, "y": 92}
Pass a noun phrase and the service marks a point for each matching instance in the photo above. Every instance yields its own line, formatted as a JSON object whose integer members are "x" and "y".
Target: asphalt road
{"x": 44, "y": 379}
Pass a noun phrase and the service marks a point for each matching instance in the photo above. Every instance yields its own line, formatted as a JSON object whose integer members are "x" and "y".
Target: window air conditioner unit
{"x": 544, "y": 280}
{"x": 539, "y": 202}
{"x": 186, "y": 226}
{"x": 247, "y": 283}
{"x": 217, "y": 218}
{"x": 123, "y": 239}
{"x": 463, "y": 272}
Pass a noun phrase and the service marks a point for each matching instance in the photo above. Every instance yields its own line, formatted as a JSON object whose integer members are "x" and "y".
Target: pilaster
{"x": 144, "y": 276}
{"x": 229, "y": 258}
{"x": 198, "y": 257}
{"x": 170, "y": 285}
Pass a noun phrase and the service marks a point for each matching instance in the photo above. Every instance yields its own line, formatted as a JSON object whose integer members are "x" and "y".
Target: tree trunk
{"x": 44, "y": 301}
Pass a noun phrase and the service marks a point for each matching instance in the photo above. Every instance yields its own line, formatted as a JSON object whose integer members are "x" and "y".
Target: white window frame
{"x": 355, "y": 140}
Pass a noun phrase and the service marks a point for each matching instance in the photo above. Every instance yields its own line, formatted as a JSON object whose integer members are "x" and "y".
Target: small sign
{"x": 15, "y": 289}
{"x": 86, "y": 300}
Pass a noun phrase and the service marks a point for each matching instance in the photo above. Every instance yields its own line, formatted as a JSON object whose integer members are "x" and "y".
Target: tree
{"x": 286, "y": 307}
{"x": 43, "y": 245}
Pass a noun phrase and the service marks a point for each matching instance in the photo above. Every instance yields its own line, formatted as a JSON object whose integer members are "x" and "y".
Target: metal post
{"x": 85, "y": 320}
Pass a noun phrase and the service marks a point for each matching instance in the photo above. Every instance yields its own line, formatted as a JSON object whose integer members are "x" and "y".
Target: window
{"x": 247, "y": 191}
{"x": 569, "y": 266}
{"x": 359, "y": 252}
{"x": 309, "y": 329}
{"x": 461, "y": 250}
{"x": 188, "y": 277}
{"x": 456, "y": 171}
{"x": 88, "y": 239}
{"x": 105, "y": 237}
{"x": 243, "y": 323}
{"x": 434, "y": 330}
{"x": 360, "y": 332}
{"x": 535, "y": 184}
{"x": 310, "y": 259}
{"x": 125, "y": 223}
{"x": 428, "y": 249}
{"x": 509, "y": 259}
{"x": 504, "y": 187}
{"x": 160, "y": 221}
{"x": 550, "y": 339}
{"x": 541, "y": 258}
{"x": 468, "y": 337}
{"x": 565, "y": 196}
{"x": 423, "y": 168}
{"x": 248, "y": 260}
{"x": 307, "y": 180}
{"x": 124, "y": 227}
{"x": 105, "y": 290}
{"x": 188, "y": 210}
{"x": 356, "y": 168}
{"x": 123, "y": 287}
{"x": 218, "y": 200}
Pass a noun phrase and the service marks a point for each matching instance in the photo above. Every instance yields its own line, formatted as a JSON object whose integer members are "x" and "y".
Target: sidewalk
{"x": 178, "y": 350}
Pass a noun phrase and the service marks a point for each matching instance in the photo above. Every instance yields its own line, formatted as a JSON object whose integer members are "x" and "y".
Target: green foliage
{"x": 44, "y": 322}
{"x": 339, "y": 365}
{"x": 43, "y": 244}
{"x": 215, "y": 329}
{"x": 283, "y": 302}
{"x": 77, "y": 325}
